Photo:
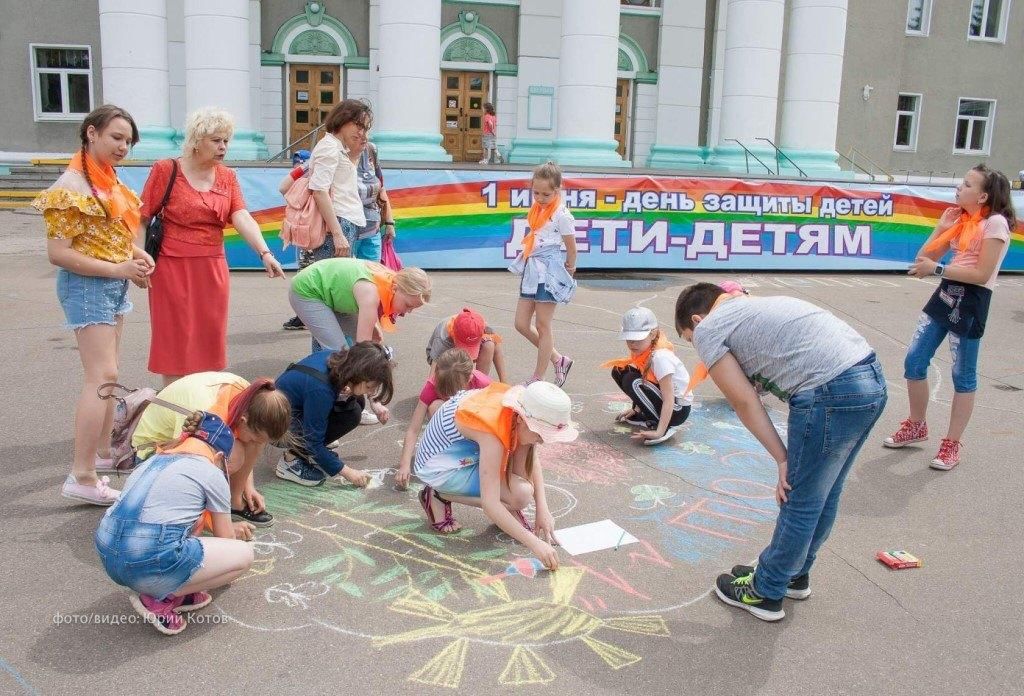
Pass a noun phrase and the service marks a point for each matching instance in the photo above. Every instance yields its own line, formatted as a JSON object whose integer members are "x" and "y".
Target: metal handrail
{"x": 857, "y": 166}
{"x": 293, "y": 144}
{"x": 747, "y": 154}
{"x": 874, "y": 164}
{"x": 778, "y": 152}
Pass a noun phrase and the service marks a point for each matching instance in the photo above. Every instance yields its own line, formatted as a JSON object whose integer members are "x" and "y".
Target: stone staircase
{"x": 25, "y": 181}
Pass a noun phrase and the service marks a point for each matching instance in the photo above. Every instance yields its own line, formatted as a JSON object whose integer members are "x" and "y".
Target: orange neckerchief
{"x": 487, "y": 336}
{"x": 642, "y": 360}
{"x": 966, "y": 230}
{"x": 700, "y": 370}
{"x": 117, "y": 197}
{"x": 538, "y": 216}
{"x": 384, "y": 279}
{"x": 482, "y": 410}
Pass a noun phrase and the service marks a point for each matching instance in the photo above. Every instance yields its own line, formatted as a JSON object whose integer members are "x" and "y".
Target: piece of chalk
{"x": 621, "y": 537}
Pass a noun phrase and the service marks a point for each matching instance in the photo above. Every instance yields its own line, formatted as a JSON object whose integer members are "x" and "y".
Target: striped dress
{"x": 440, "y": 434}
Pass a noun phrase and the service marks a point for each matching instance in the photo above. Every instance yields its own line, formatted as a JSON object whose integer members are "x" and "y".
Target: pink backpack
{"x": 303, "y": 225}
{"x": 127, "y": 415}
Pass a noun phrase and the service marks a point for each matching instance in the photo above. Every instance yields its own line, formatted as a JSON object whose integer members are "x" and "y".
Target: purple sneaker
{"x": 99, "y": 494}
{"x": 193, "y": 601}
{"x": 562, "y": 368}
{"x": 160, "y": 613}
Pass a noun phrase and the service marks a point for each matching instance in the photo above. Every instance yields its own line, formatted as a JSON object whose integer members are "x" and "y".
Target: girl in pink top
{"x": 451, "y": 373}
{"x": 490, "y": 136}
{"x": 977, "y": 231}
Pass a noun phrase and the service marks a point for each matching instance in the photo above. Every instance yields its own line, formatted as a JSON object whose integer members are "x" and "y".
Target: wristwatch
{"x": 939, "y": 268}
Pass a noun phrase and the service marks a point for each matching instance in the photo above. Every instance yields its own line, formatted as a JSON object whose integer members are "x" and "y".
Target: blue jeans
{"x": 927, "y": 339}
{"x": 827, "y": 427}
{"x": 152, "y": 559}
{"x": 91, "y": 300}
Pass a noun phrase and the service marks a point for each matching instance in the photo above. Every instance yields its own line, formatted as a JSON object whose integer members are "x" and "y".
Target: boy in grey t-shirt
{"x": 836, "y": 392}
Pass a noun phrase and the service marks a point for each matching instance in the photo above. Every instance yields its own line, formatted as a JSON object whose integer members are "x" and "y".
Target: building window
{"x": 919, "y": 17}
{"x": 641, "y": 3}
{"x": 61, "y": 82}
{"x": 988, "y": 20}
{"x": 974, "y": 123}
{"x": 908, "y": 114}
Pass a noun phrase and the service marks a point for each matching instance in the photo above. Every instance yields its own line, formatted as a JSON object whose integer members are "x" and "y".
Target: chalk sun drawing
{"x": 519, "y": 626}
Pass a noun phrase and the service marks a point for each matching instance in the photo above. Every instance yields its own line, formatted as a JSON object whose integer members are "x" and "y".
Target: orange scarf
{"x": 700, "y": 370}
{"x": 487, "y": 336}
{"x": 385, "y": 282}
{"x": 965, "y": 232}
{"x": 482, "y": 410}
{"x": 539, "y": 216}
{"x": 117, "y": 197}
{"x": 642, "y": 361}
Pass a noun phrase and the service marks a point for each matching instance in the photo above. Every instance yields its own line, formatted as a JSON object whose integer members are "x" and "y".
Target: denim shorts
{"x": 368, "y": 248}
{"x": 89, "y": 300}
{"x": 542, "y": 294}
{"x": 153, "y": 559}
{"x": 464, "y": 480}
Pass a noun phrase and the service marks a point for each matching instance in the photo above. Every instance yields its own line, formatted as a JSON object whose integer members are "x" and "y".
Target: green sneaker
{"x": 798, "y": 588}
{"x": 739, "y": 592}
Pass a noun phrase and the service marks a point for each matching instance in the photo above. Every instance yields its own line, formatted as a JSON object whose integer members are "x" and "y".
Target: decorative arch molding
{"x": 632, "y": 59}
{"x": 298, "y": 36}
{"x": 481, "y": 36}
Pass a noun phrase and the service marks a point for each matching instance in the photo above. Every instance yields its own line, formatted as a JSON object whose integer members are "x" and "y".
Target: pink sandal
{"x": 446, "y": 525}
{"x": 518, "y": 514}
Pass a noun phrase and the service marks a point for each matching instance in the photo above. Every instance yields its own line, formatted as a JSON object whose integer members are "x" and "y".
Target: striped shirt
{"x": 440, "y": 434}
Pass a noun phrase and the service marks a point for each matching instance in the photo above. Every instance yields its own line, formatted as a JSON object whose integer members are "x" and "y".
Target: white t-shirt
{"x": 561, "y": 224}
{"x": 330, "y": 169}
{"x": 665, "y": 362}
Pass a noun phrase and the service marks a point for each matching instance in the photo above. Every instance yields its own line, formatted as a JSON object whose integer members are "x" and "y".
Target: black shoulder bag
{"x": 155, "y": 229}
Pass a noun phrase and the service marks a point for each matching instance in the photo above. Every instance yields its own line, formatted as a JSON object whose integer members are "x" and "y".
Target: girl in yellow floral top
{"x": 92, "y": 221}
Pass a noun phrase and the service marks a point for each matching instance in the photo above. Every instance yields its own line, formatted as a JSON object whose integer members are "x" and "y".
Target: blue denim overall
{"x": 152, "y": 559}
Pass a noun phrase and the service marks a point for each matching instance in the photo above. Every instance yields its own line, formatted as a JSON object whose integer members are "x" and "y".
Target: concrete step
{"x": 8, "y": 183}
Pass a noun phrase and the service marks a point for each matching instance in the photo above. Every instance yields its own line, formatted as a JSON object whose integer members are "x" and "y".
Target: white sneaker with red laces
{"x": 909, "y": 433}
{"x": 948, "y": 456}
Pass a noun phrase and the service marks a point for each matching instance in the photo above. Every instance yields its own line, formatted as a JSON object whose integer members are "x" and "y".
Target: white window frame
{"x": 990, "y": 123}
{"x": 1003, "y": 20}
{"x": 37, "y": 106}
{"x": 916, "y": 115}
{"x": 926, "y": 18}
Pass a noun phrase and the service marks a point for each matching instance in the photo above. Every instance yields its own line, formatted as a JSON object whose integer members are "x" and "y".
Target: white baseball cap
{"x": 637, "y": 324}
{"x": 546, "y": 410}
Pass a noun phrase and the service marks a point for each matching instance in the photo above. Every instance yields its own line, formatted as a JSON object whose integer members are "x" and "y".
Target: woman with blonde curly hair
{"x": 188, "y": 296}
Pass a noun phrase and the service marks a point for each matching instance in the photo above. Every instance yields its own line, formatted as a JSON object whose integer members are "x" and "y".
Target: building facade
{"x": 877, "y": 85}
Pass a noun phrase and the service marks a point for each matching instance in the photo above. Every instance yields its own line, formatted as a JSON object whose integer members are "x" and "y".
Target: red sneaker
{"x": 909, "y": 433}
{"x": 948, "y": 456}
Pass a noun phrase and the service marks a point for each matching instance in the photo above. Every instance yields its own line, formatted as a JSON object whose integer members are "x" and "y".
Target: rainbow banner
{"x": 472, "y": 219}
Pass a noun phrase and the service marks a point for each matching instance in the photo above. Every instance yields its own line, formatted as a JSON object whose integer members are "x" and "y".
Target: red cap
{"x": 468, "y": 331}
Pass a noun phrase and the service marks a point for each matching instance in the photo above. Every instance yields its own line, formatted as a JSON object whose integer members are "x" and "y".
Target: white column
{"x": 217, "y": 67}
{"x": 133, "y": 37}
{"x": 680, "y": 77}
{"x": 588, "y": 63}
{"x": 540, "y": 32}
{"x": 814, "y": 73}
{"x": 374, "y": 51}
{"x": 753, "y": 54}
{"x": 255, "y": 66}
{"x": 407, "y": 113}
{"x": 717, "y": 75}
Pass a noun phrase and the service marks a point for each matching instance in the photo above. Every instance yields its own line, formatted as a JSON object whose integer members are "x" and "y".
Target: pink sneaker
{"x": 948, "y": 456}
{"x": 193, "y": 601}
{"x": 562, "y": 368}
{"x": 104, "y": 465}
{"x": 160, "y": 613}
{"x": 909, "y": 433}
{"x": 99, "y": 494}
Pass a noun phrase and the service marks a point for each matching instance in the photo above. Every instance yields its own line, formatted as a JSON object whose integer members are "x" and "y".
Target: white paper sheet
{"x": 594, "y": 536}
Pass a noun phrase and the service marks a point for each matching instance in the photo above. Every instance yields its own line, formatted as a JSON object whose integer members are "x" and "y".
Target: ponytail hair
{"x": 266, "y": 410}
{"x": 997, "y": 186}
{"x": 550, "y": 172}
{"x": 650, "y": 358}
{"x": 98, "y": 119}
{"x": 452, "y": 372}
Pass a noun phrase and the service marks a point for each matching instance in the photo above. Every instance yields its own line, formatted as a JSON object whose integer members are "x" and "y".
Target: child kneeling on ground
{"x": 653, "y": 377}
{"x": 148, "y": 540}
{"x": 836, "y": 391}
{"x": 479, "y": 449}
{"x": 452, "y": 372}
{"x": 328, "y": 392}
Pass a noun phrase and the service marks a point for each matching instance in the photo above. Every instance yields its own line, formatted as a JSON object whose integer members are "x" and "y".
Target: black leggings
{"x": 343, "y": 419}
{"x": 646, "y": 397}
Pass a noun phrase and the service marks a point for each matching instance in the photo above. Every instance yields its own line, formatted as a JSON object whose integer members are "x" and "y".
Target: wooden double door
{"x": 622, "y": 115}
{"x": 463, "y": 94}
{"x": 313, "y": 90}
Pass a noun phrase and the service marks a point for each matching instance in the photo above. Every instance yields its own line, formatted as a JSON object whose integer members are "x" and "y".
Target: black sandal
{"x": 257, "y": 519}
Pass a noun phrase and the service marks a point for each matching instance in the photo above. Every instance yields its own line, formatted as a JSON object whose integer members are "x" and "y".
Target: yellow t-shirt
{"x": 202, "y": 391}
{"x": 71, "y": 215}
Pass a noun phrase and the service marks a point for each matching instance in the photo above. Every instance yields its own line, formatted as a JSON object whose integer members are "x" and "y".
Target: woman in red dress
{"x": 188, "y": 294}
